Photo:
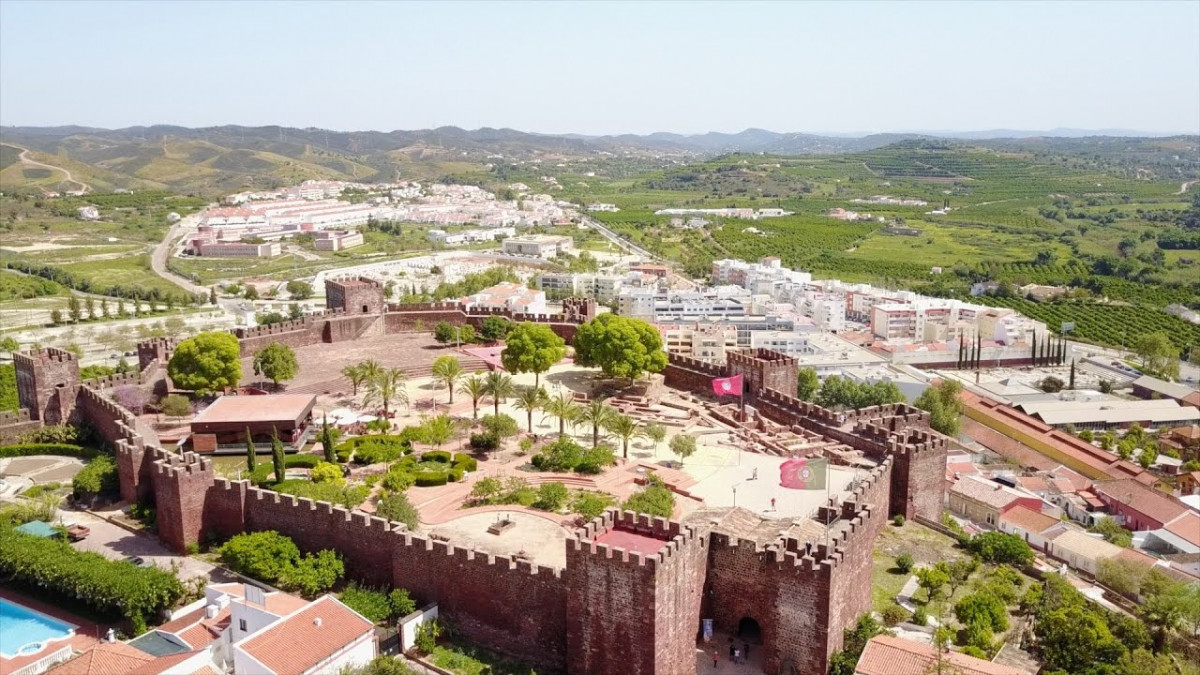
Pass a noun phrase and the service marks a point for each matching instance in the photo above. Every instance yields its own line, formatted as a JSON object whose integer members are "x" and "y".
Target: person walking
{"x": 746, "y": 650}
{"x": 716, "y": 655}
{"x": 772, "y": 503}
{"x": 732, "y": 652}
{"x": 737, "y": 656}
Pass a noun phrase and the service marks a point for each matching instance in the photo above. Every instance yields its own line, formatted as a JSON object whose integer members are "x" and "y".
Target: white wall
{"x": 409, "y": 624}
{"x": 358, "y": 653}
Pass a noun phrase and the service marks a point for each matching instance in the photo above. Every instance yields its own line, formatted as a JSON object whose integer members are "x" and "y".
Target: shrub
{"x": 427, "y": 635}
{"x": 348, "y": 496}
{"x": 454, "y": 475}
{"x": 485, "y": 442}
{"x": 314, "y": 574}
{"x": 898, "y": 520}
{"x": 486, "y": 490}
{"x": 324, "y": 472}
{"x": 98, "y": 477}
{"x": 551, "y": 497}
{"x": 982, "y": 609}
{"x": 467, "y": 462}
{"x": 971, "y": 650}
{"x": 431, "y": 478}
{"x": 904, "y": 563}
{"x": 395, "y": 506}
{"x": 35, "y": 491}
{"x": 397, "y": 479}
{"x": 893, "y": 614}
{"x": 525, "y": 444}
{"x": 59, "y": 449}
{"x": 595, "y": 459}
{"x": 377, "y": 449}
{"x": 262, "y": 555}
{"x": 65, "y": 434}
{"x": 402, "y": 605}
{"x": 108, "y": 586}
{"x": 501, "y": 425}
{"x": 591, "y": 504}
{"x": 655, "y": 499}
{"x": 436, "y": 456}
{"x": 920, "y": 617}
{"x": 303, "y": 461}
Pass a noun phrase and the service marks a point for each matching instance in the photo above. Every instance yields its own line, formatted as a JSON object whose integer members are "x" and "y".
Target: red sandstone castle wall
{"x": 13, "y": 425}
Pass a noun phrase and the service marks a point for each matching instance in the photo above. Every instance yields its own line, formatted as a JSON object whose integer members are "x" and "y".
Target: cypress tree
{"x": 327, "y": 441}
{"x": 978, "y": 350}
{"x": 277, "y": 456}
{"x": 1033, "y": 352}
{"x": 251, "y": 453}
{"x": 1071, "y": 384}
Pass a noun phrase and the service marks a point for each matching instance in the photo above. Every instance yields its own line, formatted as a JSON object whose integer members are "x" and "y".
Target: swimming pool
{"x": 24, "y": 631}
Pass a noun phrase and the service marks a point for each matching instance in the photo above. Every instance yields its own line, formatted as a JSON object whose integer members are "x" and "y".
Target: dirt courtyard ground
{"x": 321, "y": 364}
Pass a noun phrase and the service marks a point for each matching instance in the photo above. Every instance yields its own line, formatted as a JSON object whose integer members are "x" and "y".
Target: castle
{"x": 634, "y": 589}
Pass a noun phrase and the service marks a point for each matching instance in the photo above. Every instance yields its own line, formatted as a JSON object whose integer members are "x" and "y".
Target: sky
{"x": 604, "y": 67}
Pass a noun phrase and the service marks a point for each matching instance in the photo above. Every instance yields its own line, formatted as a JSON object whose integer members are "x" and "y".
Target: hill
{"x": 216, "y": 160}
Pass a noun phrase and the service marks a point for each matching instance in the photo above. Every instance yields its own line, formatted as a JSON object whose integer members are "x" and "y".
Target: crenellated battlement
{"x": 45, "y": 355}
{"x": 674, "y": 537}
{"x": 696, "y": 365}
{"x": 292, "y": 325}
{"x": 114, "y": 380}
{"x": 14, "y": 417}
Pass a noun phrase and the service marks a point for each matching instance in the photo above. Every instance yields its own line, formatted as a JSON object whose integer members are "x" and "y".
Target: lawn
{"x": 926, "y": 546}
{"x": 463, "y": 659}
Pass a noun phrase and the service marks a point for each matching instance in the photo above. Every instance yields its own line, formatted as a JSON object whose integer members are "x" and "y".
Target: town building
{"x": 985, "y": 501}
{"x": 334, "y": 240}
{"x": 1153, "y": 388}
{"x": 888, "y": 655}
{"x": 704, "y": 341}
{"x": 1110, "y": 413}
{"x": 1029, "y": 524}
{"x": 223, "y": 425}
{"x": 539, "y": 245}
{"x": 212, "y": 249}
{"x": 1137, "y": 506}
{"x": 507, "y": 296}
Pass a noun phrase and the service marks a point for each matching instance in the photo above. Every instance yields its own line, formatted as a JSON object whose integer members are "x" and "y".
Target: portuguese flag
{"x": 804, "y": 473}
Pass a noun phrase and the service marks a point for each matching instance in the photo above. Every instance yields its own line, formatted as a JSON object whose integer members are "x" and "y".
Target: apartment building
{"x": 333, "y": 240}
{"x": 705, "y": 341}
{"x": 539, "y": 245}
{"x": 212, "y": 249}
{"x": 510, "y": 296}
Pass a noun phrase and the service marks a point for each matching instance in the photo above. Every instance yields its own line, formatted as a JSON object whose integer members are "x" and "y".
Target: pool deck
{"x": 86, "y": 634}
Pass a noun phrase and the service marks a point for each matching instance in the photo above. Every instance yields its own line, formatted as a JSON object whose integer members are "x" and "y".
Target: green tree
{"x": 1000, "y": 547}
{"x": 251, "y": 292}
{"x": 263, "y": 555}
{"x": 251, "y": 452}
{"x": 1075, "y": 640}
{"x": 314, "y": 574}
{"x": 1157, "y": 354}
{"x": 356, "y": 376}
{"x": 328, "y": 444}
{"x": 532, "y": 348}
{"x": 982, "y": 609}
{"x": 385, "y": 388}
{"x": 447, "y": 371}
{"x": 437, "y": 430}
{"x": 598, "y": 414}
{"x": 326, "y": 472}
{"x": 563, "y": 408}
{"x": 684, "y": 446}
{"x": 444, "y": 332}
{"x": 498, "y": 386}
{"x": 656, "y": 433}
{"x": 299, "y": 290}
{"x": 807, "y": 384}
{"x": 277, "y": 458}
{"x": 177, "y": 406}
{"x": 932, "y": 579}
{"x": 1149, "y": 456}
{"x": 495, "y": 328}
{"x": 1051, "y": 384}
{"x": 74, "y": 308}
{"x": 206, "y": 363}
{"x": 944, "y": 405}
{"x": 625, "y": 428}
{"x": 530, "y": 400}
{"x": 474, "y": 386}
{"x": 396, "y": 507}
{"x": 276, "y": 362}
{"x": 620, "y": 346}
{"x": 551, "y": 497}
{"x": 1145, "y": 662}
{"x": 9, "y": 344}
{"x": 656, "y": 499}
{"x": 1113, "y": 533}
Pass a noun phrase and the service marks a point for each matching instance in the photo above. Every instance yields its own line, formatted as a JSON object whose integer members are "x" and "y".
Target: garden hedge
{"x": 431, "y": 478}
{"x": 60, "y": 449}
{"x": 465, "y": 461}
{"x": 436, "y": 456}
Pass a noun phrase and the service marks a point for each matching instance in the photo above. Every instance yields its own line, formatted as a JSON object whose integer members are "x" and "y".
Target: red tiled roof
{"x": 110, "y": 658}
{"x": 984, "y": 491}
{"x": 1034, "y": 483}
{"x": 1028, "y": 520}
{"x": 161, "y": 664}
{"x": 887, "y": 655}
{"x": 1186, "y": 526}
{"x": 1147, "y": 501}
{"x": 307, "y": 637}
{"x": 273, "y": 408}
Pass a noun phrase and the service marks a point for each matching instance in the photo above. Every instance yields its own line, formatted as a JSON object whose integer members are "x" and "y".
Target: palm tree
{"x": 447, "y": 371}
{"x": 530, "y": 400}
{"x": 475, "y": 387}
{"x": 563, "y": 408}
{"x": 598, "y": 414}
{"x": 387, "y": 387}
{"x": 356, "y": 375}
{"x": 499, "y": 386}
{"x": 625, "y": 428}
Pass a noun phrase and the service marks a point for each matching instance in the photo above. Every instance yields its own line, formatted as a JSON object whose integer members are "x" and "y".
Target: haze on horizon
{"x": 604, "y": 68}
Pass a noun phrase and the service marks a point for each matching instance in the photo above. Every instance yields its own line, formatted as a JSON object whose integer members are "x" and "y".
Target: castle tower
{"x": 355, "y": 296}
{"x": 579, "y": 310}
{"x": 181, "y": 485}
{"x": 47, "y": 384}
{"x": 764, "y": 369}
{"x": 634, "y": 586}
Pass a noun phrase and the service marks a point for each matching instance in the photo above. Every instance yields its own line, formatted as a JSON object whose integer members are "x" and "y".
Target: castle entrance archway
{"x": 749, "y": 630}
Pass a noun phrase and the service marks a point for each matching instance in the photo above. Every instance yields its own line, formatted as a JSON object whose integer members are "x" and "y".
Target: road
{"x": 618, "y": 239}
{"x": 158, "y": 259}
{"x": 70, "y": 179}
{"x": 1184, "y": 187}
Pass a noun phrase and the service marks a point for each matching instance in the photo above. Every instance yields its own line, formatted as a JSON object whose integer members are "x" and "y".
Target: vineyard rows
{"x": 1104, "y": 324}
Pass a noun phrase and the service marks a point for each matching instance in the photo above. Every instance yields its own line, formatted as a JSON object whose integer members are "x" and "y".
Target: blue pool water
{"x": 24, "y": 631}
